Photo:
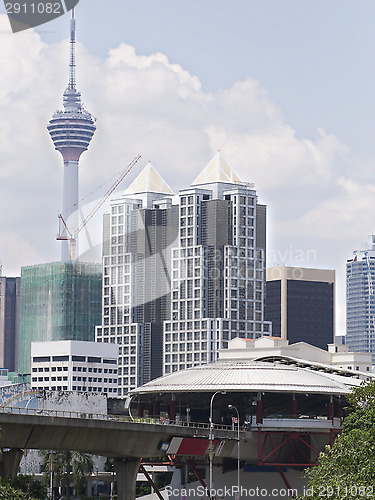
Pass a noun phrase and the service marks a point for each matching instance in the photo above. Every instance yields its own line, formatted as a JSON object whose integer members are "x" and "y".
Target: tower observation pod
{"x": 71, "y": 131}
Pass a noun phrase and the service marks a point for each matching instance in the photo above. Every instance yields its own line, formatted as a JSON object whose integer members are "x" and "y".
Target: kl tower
{"x": 71, "y": 131}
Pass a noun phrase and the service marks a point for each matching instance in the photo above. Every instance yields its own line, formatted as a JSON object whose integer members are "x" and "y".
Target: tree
{"x": 346, "y": 471}
{"x": 7, "y": 492}
{"x": 31, "y": 487}
{"x": 68, "y": 465}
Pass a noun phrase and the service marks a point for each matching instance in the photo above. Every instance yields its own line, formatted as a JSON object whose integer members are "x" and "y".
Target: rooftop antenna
{"x": 72, "y": 64}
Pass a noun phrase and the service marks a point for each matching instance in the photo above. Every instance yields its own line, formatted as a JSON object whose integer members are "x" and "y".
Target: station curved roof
{"x": 245, "y": 376}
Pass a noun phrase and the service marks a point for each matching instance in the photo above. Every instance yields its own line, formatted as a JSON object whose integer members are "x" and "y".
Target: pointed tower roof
{"x": 149, "y": 181}
{"x": 217, "y": 170}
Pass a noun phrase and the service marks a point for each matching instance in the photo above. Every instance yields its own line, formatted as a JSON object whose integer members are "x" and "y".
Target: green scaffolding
{"x": 58, "y": 301}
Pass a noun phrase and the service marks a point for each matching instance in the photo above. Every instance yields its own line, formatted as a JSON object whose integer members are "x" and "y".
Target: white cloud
{"x": 14, "y": 250}
{"x": 146, "y": 105}
{"x": 343, "y": 215}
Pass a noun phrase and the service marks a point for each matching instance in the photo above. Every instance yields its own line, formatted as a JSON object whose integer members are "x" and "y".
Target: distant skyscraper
{"x": 360, "y": 301}
{"x": 71, "y": 131}
{"x": 9, "y": 315}
{"x": 183, "y": 274}
{"x": 300, "y": 304}
{"x": 58, "y": 301}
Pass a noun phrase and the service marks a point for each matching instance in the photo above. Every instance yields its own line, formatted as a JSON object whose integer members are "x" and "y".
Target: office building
{"x": 9, "y": 321}
{"x": 217, "y": 268}
{"x": 300, "y": 304}
{"x": 137, "y": 237}
{"x": 58, "y": 301}
{"x": 74, "y": 366}
{"x": 183, "y": 274}
{"x": 360, "y": 301}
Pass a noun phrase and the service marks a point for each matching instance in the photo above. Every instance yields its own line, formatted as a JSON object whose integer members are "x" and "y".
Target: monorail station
{"x": 289, "y": 409}
{"x": 260, "y": 391}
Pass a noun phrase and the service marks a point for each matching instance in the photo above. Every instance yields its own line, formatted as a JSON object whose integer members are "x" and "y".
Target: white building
{"x": 218, "y": 268}
{"x": 183, "y": 274}
{"x": 137, "y": 238}
{"x": 72, "y": 365}
{"x": 338, "y": 356}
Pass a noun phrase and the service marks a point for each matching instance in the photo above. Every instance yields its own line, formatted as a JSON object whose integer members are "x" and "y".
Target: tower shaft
{"x": 70, "y": 203}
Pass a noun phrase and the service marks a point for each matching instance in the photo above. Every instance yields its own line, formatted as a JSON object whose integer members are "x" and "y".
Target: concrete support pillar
{"x": 9, "y": 463}
{"x": 259, "y": 408}
{"x": 126, "y": 472}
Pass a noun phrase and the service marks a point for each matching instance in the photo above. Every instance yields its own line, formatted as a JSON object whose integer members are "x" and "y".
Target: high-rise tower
{"x": 360, "y": 300}
{"x": 300, "y": 303}
{"x": 9, "y": 321}
{"x": 182, "y": 274}
{"x": 71, "y": 130}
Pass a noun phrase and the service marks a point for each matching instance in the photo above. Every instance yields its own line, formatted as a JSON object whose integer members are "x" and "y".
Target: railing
{"x": 296, "y": 423}
{"x": 117, "y": 418}
{"x": 59, "y": 413}
{"x": 82, "y": 415}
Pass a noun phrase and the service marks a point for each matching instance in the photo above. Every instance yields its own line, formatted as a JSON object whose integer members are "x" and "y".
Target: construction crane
{"x": 66, "y": 234}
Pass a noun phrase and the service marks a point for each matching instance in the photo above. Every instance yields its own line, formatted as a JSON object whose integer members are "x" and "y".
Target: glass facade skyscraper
{"x": 360, "y": 302}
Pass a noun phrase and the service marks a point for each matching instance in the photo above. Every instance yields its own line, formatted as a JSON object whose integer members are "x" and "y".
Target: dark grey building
{"x": 9, "y": 322}
{"x": 300, "y": 304}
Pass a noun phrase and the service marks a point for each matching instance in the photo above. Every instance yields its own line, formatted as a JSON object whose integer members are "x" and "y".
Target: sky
{"x": 283, "y": 88}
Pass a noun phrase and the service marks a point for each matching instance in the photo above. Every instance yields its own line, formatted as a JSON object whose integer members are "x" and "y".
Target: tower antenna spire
{"x": 72, "y": 64}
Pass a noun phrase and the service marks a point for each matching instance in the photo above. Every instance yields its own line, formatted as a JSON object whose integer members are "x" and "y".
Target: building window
{"x": 41, "y": 359}
{"x": 94, "y": 359}
{"x": 60, "y": 358}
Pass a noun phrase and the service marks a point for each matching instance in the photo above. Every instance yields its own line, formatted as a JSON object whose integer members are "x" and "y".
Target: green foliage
{"x": 109, "y": 465}
{"x": 362, "y": 397}
{"x": 362, "y": 408}
{"x": 30, "y": 487}
{"x": 347, "y": 470}
{"x": 363, "y": 420}
{"x": 68, "y": 466}
{"x": 7, "y": 492}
